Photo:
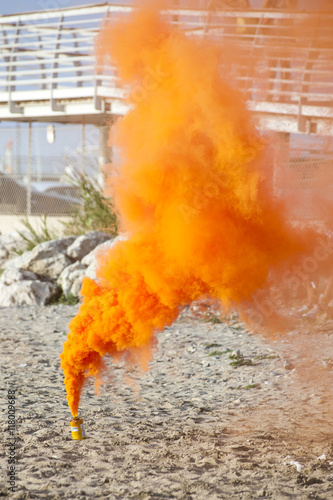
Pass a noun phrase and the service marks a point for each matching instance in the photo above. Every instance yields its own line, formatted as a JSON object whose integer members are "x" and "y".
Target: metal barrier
{"x": 285, "y": 64}
{"x": 36, "y": 178}
{"x": 48, "y": 69}
{"x": 48, "y": 72}
{"x": 304, "y": 176}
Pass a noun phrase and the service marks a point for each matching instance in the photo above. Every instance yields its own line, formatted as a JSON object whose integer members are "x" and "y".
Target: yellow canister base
{"x": 77, "y": 428}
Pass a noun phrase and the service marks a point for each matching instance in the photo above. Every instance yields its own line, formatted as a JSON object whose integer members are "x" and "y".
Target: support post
{"x": 83, "y": 148}
{"x": 104, "y": 156}
{"x": 29, "y": 172}
{"x": 281, "y": 162}
{"x": 18, "y": 150}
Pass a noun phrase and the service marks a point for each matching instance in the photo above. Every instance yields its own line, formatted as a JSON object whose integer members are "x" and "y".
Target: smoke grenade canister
{"x": 77, "y": 428}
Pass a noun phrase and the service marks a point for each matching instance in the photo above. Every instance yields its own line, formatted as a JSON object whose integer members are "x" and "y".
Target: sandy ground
{"x": 198, "y": 427}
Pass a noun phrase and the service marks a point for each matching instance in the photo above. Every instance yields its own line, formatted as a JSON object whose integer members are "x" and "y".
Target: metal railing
{"x": 37, "y": 179}
{"x": 48, "y": 58}
{"x": 285, "y": 64}
{"x": 48, "y": 72}
{"x": 48, "y": 68}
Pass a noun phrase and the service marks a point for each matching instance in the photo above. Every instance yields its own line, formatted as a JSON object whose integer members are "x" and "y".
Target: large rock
{"x": 9, "y": 244}
{"x": 91, "y": 256}
{"x": 4, "y": 254}
{"x": 28, "y": 293}
{"x": 70, "y": 279}
{"x": 18, "y": 262}
{"x": 50, "y": 267}
{"x": 86, "y": 243}
{"x": 91, "y": 260}
{"x": 47, "y": 259}
{"x": 12, "y": 275}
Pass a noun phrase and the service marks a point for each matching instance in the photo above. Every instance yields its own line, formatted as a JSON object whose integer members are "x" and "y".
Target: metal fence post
{"x": 103, "y": 153}
{"x": 29, "y": 172}
{"x": 83, "y": 148}
{"x": 18, "y": 150}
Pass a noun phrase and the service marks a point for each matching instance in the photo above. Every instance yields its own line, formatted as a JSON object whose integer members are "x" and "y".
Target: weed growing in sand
{"x": 210, "y": 345}
{"x": 216, "y": 353}
{"x": 237, "y": 328}
{"x": 238, "y": 360}
{"x": 249, "y": 386}
{"x": 214, "y": 319}
{"x": 219, "y": 353}
{"x": 68, "y": 300}
{"x": 266, "y": 356}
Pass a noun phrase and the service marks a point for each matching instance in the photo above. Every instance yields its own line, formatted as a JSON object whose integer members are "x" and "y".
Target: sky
{"x": 19, "y": 6}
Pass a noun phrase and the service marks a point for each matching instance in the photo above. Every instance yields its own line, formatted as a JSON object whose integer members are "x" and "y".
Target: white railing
{"x": 49, "y": 57}
{"x": 285, "y": 64}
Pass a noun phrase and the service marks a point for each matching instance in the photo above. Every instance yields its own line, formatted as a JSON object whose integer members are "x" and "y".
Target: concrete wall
{"x": 10, "y": 223}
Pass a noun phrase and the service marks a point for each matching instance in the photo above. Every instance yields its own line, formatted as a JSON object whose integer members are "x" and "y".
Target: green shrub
{"x": 68, "y": 300}
{"x": 34, "y": 237}
{"x": 96, "y": 212}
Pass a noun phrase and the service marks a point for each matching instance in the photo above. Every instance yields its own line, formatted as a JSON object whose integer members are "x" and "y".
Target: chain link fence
{"x": 304, "y": 175}
{"x": 36, "y": 177}
{"x": 41, "y": 183}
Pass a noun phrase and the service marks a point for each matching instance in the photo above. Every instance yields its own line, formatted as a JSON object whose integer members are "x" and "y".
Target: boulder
{"x": 9, "y": 243}
{"x": 86, "y": 243}
{"x": 17, "y": 262}
{"x": 47, "y": 259}
{"x": 30, "y": 278}
{"x": 77, "y": 283}
{"x": 91, "y": 256}
{"x": 28, "y": 293}
{"x": 91, "y": 260}
{"x": 70, "y": 279}
{"x": 3, "y": 253}
{"x": 12, "y": 275}
{"x": 51, "y": 267}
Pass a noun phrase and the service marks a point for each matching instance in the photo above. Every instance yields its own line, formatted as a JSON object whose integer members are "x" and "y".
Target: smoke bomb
{"x": 77, "y": 428}
{"x": 193, "y": 186}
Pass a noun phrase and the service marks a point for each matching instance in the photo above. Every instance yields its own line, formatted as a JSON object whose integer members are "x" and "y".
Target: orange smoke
{"x": 192, "y": 188}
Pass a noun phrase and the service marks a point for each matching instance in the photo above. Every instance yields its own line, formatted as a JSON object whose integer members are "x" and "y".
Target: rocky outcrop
{"x": 85, "y": 244}
{"x": 49, "y": 259}
{"x": 19, "y": 287}
{"x": 37, "y": 277}
{"x": 9, "y": 244}
{"x": 70, "y": 280}
{"x": 27, "y": 292}
{"x": 91, "y": 260}
{"x": 13, "y": 274}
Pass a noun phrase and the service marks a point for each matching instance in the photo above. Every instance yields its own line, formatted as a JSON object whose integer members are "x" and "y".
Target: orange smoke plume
{"x": 193, "y": 194}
